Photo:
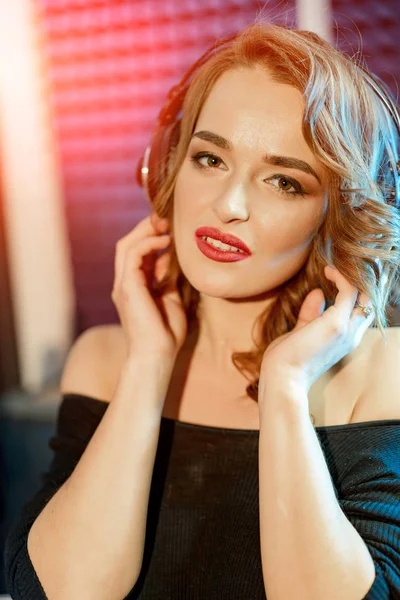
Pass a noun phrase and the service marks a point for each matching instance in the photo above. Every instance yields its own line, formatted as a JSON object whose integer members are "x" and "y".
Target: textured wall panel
{"x": 372, "y": 28}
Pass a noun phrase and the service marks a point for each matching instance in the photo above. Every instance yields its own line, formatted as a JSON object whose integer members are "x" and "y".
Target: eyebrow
{"x": 271, "y": 159}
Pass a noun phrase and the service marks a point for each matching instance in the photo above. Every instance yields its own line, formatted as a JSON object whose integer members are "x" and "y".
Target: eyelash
{"x": 299, "y": 190}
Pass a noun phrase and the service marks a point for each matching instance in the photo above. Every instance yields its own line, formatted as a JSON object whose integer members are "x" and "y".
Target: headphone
{"x": 152, "y": 167}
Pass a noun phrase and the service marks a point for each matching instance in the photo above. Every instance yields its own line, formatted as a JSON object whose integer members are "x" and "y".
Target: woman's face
{"x": 226, "y": 182}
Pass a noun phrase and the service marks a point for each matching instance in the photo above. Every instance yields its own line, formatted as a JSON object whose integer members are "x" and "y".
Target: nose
{"x": 232, "y": 203}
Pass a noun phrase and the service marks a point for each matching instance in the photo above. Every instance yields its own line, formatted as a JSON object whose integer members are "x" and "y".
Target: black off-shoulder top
{"x": 202, "y": 531}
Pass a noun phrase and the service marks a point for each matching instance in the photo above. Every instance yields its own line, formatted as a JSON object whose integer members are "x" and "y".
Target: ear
{"x": 313, "y": 306}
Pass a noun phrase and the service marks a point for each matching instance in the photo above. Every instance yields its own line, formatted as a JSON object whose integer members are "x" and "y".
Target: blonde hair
{"x": 352, "y": 134}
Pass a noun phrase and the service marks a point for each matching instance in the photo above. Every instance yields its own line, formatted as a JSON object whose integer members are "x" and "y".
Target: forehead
{"x": 247, "y": 107}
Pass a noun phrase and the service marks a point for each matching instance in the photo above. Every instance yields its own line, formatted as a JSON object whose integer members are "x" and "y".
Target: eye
{"x": 287, "y": 183}
{"x": 212, "y": 160}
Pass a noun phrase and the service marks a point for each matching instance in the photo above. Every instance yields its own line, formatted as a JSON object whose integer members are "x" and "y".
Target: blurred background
{"x": 81, "y": 84}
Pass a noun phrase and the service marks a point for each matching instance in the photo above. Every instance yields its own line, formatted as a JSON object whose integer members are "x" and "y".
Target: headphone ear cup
{"x": 139, "y": 177}
{"x": 164, "y": 141}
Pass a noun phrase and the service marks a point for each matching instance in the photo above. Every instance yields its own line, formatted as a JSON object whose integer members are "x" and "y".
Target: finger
{"x": 151, "y": 225}
{"x": 359, "y": 320}
{"x": 142, "y": 230}
{"x": 311, "y": 308}
{"x": 346, "y": 296}
{"x": 159, "y": 223}
{"x": 161, "y": 266}
{"x": 155, "y": 264}
{"x": 134, "y": 258}
{"x": 144, "y": 251}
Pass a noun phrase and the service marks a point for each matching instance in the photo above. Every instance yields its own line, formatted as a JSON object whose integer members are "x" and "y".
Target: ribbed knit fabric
{"x": 202, "y": 536}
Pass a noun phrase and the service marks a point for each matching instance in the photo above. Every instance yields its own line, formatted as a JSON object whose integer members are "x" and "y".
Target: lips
{"x": 226, "y": 238}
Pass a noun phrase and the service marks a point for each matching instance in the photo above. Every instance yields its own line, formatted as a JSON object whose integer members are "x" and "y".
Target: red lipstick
{"x": 217, "y": 254}
{"x": 226, "y": 238}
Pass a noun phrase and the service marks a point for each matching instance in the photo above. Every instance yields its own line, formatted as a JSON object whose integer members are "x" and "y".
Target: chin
{"x": 217, "y": 285}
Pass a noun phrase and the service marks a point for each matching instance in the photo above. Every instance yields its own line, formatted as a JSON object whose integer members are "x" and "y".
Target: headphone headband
{"x": 166, "y": 132}
{"x": 166, "y": 126}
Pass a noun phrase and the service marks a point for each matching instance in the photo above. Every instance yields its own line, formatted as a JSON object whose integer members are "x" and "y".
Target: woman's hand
{"x": 319, "y": 339}
{"x": 153, "y": 325}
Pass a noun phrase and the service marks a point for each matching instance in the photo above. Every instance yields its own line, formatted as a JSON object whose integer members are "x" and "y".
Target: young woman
{"x": 187, "y": 465}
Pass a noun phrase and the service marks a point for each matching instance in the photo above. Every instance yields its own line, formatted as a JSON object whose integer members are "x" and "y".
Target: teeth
{"x": 220, "y": 245}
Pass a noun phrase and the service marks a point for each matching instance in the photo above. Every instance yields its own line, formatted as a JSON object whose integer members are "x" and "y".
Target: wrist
{"x": 284, "y": 376}
{"x": 143, "y": 382}
{"x": 158, "y": 367}
{"x": 158, "y": 362}
{"x": 282, "y": 394}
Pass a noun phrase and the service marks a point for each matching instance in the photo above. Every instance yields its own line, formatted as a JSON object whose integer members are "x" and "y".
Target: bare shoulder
{"x": 94, "y": 362}
{"x": 381, "y": 398}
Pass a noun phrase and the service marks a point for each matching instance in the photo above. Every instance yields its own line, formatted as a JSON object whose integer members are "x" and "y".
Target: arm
{"x": 89, "y": 539}
{"x": 309, "y": 548}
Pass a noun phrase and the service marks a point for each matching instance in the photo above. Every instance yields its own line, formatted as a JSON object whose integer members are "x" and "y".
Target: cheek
{"x": 185, "y": 177}
{"x": 292, "y": 229}
{"x": 183, "y": 220}
{"x": 182, "y": 189}
{"x": 186, "y": 201}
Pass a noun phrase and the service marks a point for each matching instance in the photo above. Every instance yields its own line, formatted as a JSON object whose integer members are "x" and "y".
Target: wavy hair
{"x": 351, "y": 132}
